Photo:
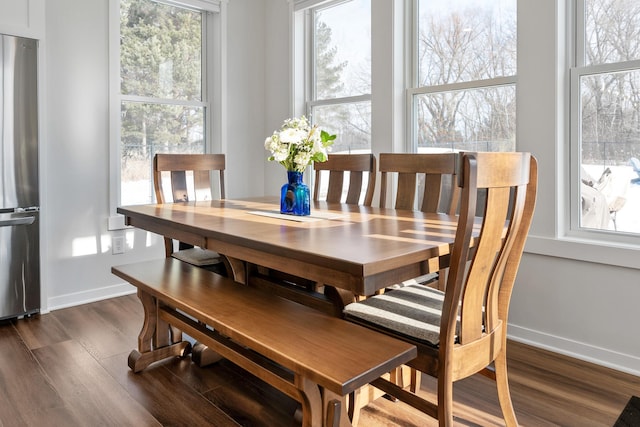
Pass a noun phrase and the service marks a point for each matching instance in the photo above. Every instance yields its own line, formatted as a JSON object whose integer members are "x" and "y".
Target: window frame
{"x": 310, "y": 98}
{"x": 577, "y": 70}
{"x": 211, "y": 83}
{"x": 414, "y": 91}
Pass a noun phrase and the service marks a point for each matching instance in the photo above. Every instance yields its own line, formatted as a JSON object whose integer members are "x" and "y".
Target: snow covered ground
{"x": 628, "y": 217}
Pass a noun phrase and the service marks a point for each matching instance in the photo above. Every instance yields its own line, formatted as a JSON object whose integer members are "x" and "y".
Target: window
{"x": 463, "y": 95}
{"x": 339, "y": 73}
{"x": 605, "y": 106}
{"x": 163, "y": 99}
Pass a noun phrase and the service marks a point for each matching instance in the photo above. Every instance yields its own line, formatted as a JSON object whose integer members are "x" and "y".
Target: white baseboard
{"x": 93, "y": 295}
{"x": 597, "y": 355}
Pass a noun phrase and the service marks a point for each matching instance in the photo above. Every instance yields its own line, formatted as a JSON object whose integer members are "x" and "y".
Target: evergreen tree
{"x": 160, "y": 58}
{"x": 329, "y": 82}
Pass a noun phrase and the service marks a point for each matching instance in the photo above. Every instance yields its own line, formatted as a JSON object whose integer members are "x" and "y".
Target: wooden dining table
{"x": 354, "y": 248}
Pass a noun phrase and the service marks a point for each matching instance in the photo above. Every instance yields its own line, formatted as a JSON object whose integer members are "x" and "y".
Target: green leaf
{"x": 326, "y": 137}
{"x": 319, "y": 157}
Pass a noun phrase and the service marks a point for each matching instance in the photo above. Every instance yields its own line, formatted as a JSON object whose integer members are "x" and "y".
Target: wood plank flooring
{"x": 69, "y": 368}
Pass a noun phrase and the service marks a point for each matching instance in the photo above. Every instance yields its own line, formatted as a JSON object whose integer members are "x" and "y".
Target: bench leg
{"x": 156, "y": 339}
{"x": 138, "y": 361}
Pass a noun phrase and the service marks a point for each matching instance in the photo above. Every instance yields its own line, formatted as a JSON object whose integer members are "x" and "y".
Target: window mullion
{"x": 310, "y": 54}
{"x": 579, "y": 32}
{"x": 162, "y": 101}
{"x": 196, "y": 5}
{"x": 336, "y": 101}
{"x": 414, "y": 31}
{"x": 475, "y": 84}
{"x": 613, "y": 67}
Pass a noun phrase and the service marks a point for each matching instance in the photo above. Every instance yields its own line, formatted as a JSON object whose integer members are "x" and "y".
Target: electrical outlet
{"x": 117, "y": 245}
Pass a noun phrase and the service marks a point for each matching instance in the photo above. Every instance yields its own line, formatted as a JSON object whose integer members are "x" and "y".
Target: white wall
{"x": 246, "y": 56}
{"x": 586, "y": 310}
{"x": 582, "y": 308}
{"x": 277, "y": 86}
{"x": 582, "y": 300}
{"x": 24, "y": 18}
{"x": 75, "y": 137}
{"x": 75, "y": 149}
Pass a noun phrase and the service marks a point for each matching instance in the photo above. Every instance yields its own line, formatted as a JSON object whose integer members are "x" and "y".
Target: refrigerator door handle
{"x": 27, "y": 220}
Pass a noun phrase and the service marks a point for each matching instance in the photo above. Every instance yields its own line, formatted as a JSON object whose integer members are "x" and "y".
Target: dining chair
{"x": 431, "y": 177}
{"x": 185, "y": 177}
{"x": 338, "y": 166}
{"x": 435, "y": 172}
{"x": 463, "y": 330}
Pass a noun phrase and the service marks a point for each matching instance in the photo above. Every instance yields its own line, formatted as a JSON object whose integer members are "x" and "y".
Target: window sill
{"x": 600, "y": 252}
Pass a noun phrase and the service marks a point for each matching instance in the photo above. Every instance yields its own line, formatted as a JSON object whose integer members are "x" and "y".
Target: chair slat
{"x": 356, "y": 165}
{"x": 432, "y": 193}
{"x": 179, "y": 186}
{"x": 435, "y": 171}
{"x": 355, "y": 184}
{"x": 405, "y": 199}
{"x": 202, "y": 185}
{"x": 334, "y": 190}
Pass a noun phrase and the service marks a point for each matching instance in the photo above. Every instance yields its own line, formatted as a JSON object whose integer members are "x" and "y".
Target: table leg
{"x": 203, "y": 356}
{"x": 402, "y": 376}
{"x": 311, "y": 400}
{"x": 335, "y": 409}
{"x": 237, "y": 269}
{"x": 155, "y": 341}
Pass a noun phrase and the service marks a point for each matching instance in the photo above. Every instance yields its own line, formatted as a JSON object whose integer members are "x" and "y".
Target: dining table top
{"x": 356, "y": 248}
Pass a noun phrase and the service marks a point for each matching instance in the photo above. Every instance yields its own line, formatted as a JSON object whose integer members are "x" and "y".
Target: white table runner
{"x": 315, "y": 216}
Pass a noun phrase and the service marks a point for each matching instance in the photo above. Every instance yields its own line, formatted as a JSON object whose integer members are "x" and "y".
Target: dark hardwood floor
{"x": 69, "y": 368}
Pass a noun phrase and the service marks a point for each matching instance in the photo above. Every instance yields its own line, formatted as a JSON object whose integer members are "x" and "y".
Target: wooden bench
{"x": 313, "y": 357}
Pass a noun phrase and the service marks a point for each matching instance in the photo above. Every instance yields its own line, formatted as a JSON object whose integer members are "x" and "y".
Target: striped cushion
{"x": 413, "y": 311}
{"x": 425, "y": 279}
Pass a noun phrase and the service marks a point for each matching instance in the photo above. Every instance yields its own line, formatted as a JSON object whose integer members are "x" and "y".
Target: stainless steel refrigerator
{"x": 19, "y": 198}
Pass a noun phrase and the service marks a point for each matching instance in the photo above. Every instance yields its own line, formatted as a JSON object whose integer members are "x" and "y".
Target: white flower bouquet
{"x": 298, "y": 144}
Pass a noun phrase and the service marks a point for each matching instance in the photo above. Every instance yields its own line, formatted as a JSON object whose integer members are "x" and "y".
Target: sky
{"x": 351, "y": 29}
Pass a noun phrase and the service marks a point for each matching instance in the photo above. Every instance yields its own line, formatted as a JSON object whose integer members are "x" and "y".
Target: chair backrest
{"x": 357, "y": 166}
{"x": 440, "y": 192}
{"x": 480, "y": 281}
{"x": 190, "y": 176}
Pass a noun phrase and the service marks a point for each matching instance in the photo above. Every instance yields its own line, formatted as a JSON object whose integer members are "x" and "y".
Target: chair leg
{"x": 445, "y": 400}
{"x": 502, "y": 384}
{"x": 416, "y": 379}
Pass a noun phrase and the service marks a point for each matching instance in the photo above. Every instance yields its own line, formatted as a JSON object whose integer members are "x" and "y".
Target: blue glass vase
{"x": 294, "y": 196}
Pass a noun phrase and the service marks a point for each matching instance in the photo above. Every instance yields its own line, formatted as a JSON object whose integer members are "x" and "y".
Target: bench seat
{"x": 311, "y": 356}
